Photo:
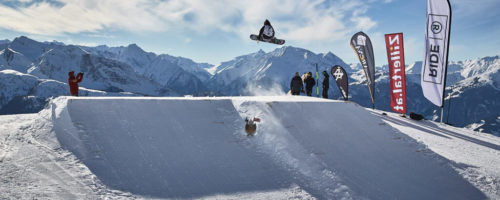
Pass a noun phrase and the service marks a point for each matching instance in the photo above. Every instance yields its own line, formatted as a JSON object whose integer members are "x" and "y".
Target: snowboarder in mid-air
{"x": 267, "y": 31}
{"x": 266, "y": 34}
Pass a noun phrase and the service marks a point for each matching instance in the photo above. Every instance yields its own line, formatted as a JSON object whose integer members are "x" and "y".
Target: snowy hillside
{"x": 115, "y": 69}
{"x": 196, "y": 148}
{"x": 481, "y": 87}
{"x": 14, "y": 60}
{"x": 24, "y": 93}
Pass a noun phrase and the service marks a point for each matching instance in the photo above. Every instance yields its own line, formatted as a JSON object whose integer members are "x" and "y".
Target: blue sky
{"x": 215, "y": 31}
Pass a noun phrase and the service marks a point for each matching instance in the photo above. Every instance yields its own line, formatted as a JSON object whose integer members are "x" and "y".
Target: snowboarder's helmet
{"x": 267, "y": 22}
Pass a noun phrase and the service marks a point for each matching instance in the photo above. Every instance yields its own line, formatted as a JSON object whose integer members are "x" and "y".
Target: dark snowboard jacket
{"x": 296, "y": 85}
{"x": 310, "y": 82}
{"x": 267, "y": 31}
{"x": 326, "y": 82}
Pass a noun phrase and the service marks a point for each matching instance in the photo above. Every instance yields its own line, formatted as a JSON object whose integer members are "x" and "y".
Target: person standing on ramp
{"x": 296, "y": 84}
{"x": 326, "y": 84}
{"x": 73, "y": 82}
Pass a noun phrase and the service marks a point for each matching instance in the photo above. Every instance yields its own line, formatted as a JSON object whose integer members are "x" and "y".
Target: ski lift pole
{"x": 317, "y": 81}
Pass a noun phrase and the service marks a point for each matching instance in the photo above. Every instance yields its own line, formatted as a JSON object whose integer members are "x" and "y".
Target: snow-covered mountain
{"x": 111, "y": 69}
{"x": 268, "y": 70}
{"x": 476, "y": 98}
{"x": 132, "y": 71}
{"x": 14, "y": 60}
{"x": 167, "y": 71}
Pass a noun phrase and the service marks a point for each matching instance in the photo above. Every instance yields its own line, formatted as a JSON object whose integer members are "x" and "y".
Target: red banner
{"x": 395, "y": 55}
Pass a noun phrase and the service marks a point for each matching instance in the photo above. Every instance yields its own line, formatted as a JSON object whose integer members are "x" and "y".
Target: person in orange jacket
{"x": 73, "y": 82}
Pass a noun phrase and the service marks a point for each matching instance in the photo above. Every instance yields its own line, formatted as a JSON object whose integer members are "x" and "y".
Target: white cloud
{"x": 77, "y": 16}
{"x": 364, "y": 23}
{"x": 468, "y": 8}
{"x": 324, "y": 29}
{"x": 299, "y": 20}
{"x": 87, "y": 44}
{"x": 21, "y": 1}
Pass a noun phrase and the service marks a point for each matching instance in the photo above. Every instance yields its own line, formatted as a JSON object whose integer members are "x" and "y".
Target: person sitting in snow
{"x": 267, "y": 31}
{"x": 73, "y": 82}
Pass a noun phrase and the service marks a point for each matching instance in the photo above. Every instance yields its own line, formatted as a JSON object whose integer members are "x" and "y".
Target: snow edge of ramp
{"x": 63, "y": 126}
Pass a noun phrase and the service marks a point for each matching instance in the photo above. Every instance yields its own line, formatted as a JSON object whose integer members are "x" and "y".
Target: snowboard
{"x": 272, "y": 40}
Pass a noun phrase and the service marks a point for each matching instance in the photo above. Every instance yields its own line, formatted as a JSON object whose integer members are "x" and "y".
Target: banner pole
{"x": 317, "y": 81}
{"x": 446, "y": 64}
{"x": 449, "y": 105}
{"x": 442, "y": 109}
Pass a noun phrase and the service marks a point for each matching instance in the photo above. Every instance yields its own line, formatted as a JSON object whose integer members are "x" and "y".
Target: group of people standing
{"x": 297, "y": 84}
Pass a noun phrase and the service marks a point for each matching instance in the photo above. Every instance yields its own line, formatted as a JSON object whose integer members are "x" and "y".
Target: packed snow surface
{"x": 188, "y": 148}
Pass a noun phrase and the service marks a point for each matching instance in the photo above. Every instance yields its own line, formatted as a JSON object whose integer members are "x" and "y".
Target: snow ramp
{"x": 197, "y": 148}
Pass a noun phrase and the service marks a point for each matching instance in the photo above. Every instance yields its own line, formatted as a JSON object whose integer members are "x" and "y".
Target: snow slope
{"x": 475, "y": 154}
{"x": 473, "y": 84}
{"x": 305, "y": 148}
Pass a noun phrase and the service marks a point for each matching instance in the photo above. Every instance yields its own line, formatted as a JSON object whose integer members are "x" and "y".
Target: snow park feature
{"x": 197, "y": 148}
